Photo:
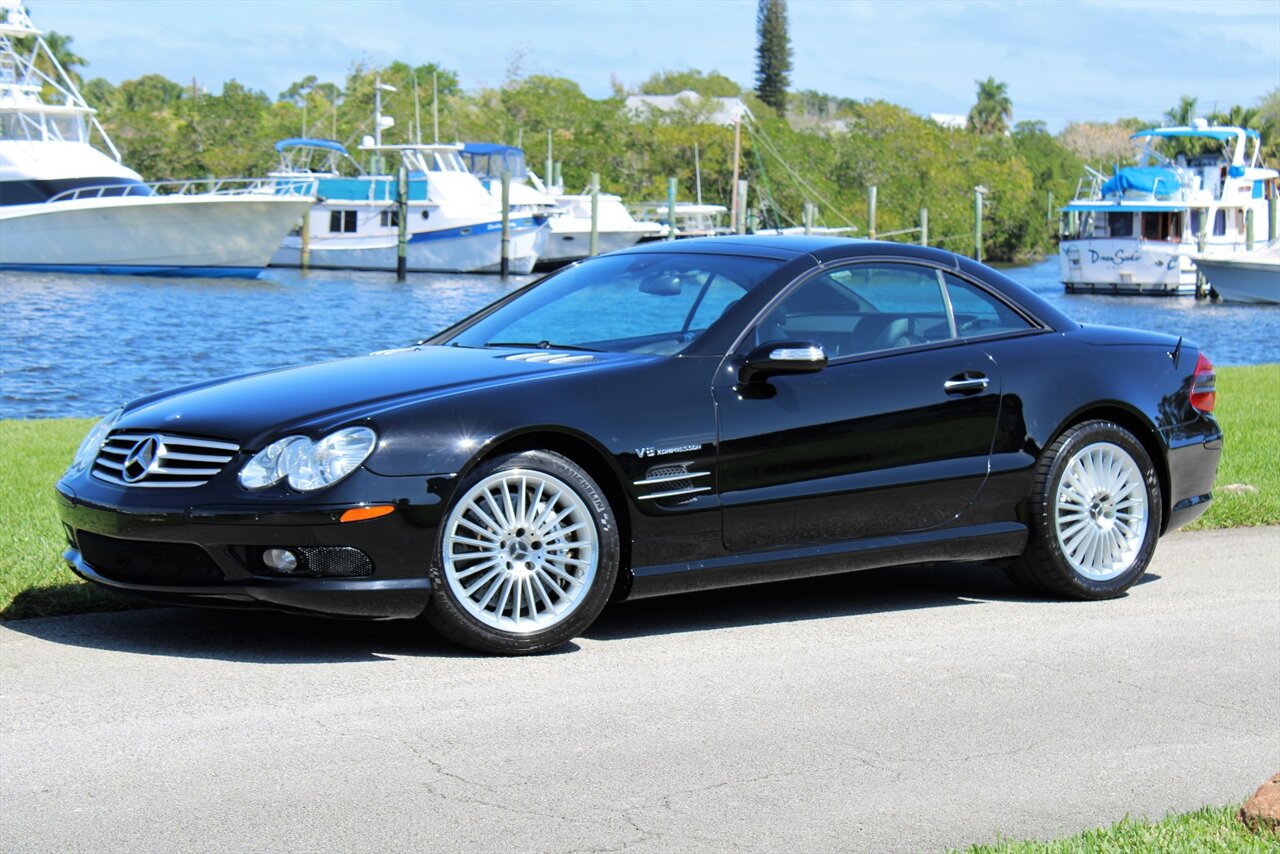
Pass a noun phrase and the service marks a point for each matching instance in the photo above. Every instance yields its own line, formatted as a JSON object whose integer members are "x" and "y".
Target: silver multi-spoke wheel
{"x": 1101, "y": 511}
{"x": 521, "y": 550}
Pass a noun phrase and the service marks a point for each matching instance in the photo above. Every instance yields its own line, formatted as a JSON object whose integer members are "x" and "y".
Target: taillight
{"x": 1203, "y": 391}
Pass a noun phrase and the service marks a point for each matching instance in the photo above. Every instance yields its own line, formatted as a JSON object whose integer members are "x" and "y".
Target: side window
{"x": 720, "y": 294}
{"x": 978, "y": 312}
{"x": 862, "y": 309}
{"x": 342, "y": 221}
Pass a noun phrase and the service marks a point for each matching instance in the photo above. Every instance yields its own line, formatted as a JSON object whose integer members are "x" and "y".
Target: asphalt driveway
{"x": 907, "y": 709}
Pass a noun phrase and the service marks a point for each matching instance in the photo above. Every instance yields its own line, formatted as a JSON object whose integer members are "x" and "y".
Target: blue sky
{"x": 1063, "y": 61}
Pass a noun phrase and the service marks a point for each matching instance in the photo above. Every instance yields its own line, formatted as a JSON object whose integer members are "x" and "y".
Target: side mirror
{"x": 776, "y": 358}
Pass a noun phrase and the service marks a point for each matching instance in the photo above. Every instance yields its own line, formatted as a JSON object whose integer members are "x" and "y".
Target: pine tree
{"x": 773, "y": 54}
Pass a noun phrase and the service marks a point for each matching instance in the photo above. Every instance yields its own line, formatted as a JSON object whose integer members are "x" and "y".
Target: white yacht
{"x": 1136, "y": 231}
{"x": 570, "y": 214}
{"x": 1244, "y": 276}
{"x": 453, "y": 223}
{"x": 67, "y": 203}
{"x": 692, "y": 219}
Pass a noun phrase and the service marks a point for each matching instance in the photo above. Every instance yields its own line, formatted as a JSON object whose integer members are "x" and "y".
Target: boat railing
{"x": 294, "y": 187}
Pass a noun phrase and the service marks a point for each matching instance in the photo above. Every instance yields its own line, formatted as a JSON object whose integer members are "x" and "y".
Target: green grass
{"x": 1249, "y": 409}
{"x": 1205, "y": 831}
{"x": 34, "y": 582}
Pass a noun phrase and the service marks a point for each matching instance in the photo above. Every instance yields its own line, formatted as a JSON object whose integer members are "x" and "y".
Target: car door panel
{"x": 866, "y": 447}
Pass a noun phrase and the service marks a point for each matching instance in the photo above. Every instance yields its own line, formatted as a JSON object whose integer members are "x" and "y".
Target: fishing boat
{"x": 69, "y": 204}
{"x": 453, "y": 224}
{"x": 1252, "y": 277}
{"x": 569, "y": 214}
{"x": 1136, "y": 231}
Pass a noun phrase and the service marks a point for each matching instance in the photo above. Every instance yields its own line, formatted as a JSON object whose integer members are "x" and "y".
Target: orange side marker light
{"x": 360, "y": 514}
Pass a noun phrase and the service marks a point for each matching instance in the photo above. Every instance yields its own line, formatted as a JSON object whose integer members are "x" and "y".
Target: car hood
{"x": 251, "y": 408}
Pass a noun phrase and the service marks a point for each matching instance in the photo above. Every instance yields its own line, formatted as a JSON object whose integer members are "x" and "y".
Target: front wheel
{"x": 527, "y": 556}
{"x": 1095, "y": 515}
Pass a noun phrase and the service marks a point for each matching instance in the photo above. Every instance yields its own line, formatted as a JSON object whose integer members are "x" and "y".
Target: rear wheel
{"x": 527, "y": 556}
{"x": 1095, "y": 515}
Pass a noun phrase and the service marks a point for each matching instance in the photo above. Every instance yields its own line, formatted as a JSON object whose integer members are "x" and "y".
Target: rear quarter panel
{"x": 1058, "y": 379}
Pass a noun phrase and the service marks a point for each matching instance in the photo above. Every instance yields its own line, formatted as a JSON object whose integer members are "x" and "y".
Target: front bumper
{"x": 213, "y": 556}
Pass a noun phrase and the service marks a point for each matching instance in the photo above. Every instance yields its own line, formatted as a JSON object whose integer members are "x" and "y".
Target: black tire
{"x": 1046, "y": 566}
{"x": 529, "y": 550}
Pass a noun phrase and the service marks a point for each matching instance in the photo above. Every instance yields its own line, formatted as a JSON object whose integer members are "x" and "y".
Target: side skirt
{"x": 969, "y": 543}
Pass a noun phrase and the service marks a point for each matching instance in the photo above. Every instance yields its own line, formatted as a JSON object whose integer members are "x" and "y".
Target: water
{"x": 81, "y": 345}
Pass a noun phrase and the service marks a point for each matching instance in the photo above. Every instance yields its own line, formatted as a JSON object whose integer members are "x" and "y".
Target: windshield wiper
{"x": 542, "y": 345}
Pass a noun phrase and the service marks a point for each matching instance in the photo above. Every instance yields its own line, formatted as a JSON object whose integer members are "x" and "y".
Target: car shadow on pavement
{"x": 254, "y": 637}
{"x": 873, "y": 591}
{"x": 266, "y": 637}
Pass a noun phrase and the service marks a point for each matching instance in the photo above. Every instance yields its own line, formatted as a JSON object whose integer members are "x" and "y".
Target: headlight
{"x": 308, "y": 465}
{"x": 92, "y": 443}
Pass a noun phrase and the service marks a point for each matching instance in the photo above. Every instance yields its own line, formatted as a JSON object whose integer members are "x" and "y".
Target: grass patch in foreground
{"x": 1206, "y": 831}
{"x": 1248, "y": 408}
{"x": 34, "y": 582}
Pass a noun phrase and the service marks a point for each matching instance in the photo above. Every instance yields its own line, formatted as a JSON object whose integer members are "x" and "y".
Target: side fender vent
{"x": 671, "y": 484}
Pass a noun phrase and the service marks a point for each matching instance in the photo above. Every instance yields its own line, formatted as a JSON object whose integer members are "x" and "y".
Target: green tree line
{"x": 825, "y": 149}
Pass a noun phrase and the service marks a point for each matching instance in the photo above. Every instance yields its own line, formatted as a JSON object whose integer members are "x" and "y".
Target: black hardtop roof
{"x": 788, "y": 246}
{"x": 825, "y": 249}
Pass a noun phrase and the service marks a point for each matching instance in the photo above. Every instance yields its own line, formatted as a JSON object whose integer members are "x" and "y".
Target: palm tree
{"x": 992, "y": 112}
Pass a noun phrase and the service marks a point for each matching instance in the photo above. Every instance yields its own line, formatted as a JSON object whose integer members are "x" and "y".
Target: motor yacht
{"x": 453, "y": 224}
{"x": 1136, "y": 231}
{"x": 68, "y": 203}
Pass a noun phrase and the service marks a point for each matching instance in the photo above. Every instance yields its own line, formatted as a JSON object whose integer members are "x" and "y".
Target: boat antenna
{"x": 417, "y": 112}
{"x": 435, "y": 112}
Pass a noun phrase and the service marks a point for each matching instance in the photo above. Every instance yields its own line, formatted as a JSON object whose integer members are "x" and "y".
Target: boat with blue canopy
{"x": 453, "y": 224}
{"x": 1197, "y": 190}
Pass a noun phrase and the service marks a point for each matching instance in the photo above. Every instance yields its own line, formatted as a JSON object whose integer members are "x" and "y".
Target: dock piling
{"x": 671, "y": 208}
{"x": 1248, "y": 230}
{"x": 505, "y": 267}
{"x": 402, "y": 221}
{"x": 977, "y": 222}
{"x": 1271, "y": 215}
{"x": 306, "y": 240}
{"x": 808, "y": 217}
{"x": 740, "y": 221}
{"x": 924, "y": 226}
{"x": 871, "y": 211}
{"x": 1202, "y": 240}
{"x": 595, "y": 215}
{"x": 549, "y": 176}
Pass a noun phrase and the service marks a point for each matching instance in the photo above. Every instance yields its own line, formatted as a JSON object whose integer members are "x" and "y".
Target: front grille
{"x": 144, "y": 562}
{"x": 161, "y": 459}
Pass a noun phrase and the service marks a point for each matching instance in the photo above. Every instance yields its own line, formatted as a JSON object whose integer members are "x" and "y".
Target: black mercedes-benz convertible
{"x": 673, "y": 417}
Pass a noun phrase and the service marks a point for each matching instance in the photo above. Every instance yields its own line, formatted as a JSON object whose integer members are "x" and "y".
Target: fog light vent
{"x": 280, "y": 560}
{"x": 317, "y": 562}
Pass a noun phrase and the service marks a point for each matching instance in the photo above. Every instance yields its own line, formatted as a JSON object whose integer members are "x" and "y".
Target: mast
{"x": 417, "y": 112}
{"x": 697, "y": 173}
{"x": 737, "y": 156}
{"x": 379, "y": 120}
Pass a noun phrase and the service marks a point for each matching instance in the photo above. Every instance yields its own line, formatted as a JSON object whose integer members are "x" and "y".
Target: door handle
{"x": 966, "y": 384}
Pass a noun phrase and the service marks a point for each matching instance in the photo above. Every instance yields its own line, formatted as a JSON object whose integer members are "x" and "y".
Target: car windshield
{"x": 641, "y": 303}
